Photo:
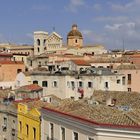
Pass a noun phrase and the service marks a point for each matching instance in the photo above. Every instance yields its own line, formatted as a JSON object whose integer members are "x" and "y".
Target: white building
{"x": 67, "y": 85}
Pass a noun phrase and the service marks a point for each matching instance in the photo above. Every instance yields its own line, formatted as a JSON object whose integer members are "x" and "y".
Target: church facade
{"x": 43, "y": 42}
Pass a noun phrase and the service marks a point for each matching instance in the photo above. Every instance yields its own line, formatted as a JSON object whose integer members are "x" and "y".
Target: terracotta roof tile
{"x": 102, "y": 113}
{"x": 81, "y": 62}
{"x": 6, "y": 54}
{"x": 32, "y": 87}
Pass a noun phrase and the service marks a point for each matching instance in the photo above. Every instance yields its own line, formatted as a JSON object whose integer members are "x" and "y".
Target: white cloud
{"x": 127, "y": 32}
{"x": 94, "y": 38}
{"x": 132, "y": 6}
{"x": 116, "y": 19}
{"x": 116, "y": 35}
{"x": 113, "y": 27}
{"x": 77, "y": 2}
{"x": 74, "y": 5}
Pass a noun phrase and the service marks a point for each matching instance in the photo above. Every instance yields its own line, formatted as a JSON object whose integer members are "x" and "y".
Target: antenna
{"x": 53, "y": 28}
{"x": 123, "y": 44}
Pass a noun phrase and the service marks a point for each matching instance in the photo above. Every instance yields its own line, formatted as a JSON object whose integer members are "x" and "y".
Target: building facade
{"x": 29, "y": 123}
{"x": 44, "y": 42}
{"x": 8, "y": 121}
{"x": 58, "y": 125}
{"x": 66, "y": 85}
{"x": 8, "y": 73}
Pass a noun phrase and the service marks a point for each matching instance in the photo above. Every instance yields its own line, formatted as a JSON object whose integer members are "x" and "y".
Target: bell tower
{"x": 74, "y": 37}
{"x": 40, "y": 38}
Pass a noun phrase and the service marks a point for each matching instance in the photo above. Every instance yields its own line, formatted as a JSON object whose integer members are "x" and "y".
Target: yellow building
{"x": 29, "y": 123}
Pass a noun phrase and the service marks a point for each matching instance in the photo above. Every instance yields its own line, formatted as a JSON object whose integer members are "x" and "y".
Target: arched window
{"x": 38, "y": 49}
{"x": 44, "y": 42}
{"x": 76, "y": 41}
{"x": 38, "y": 42}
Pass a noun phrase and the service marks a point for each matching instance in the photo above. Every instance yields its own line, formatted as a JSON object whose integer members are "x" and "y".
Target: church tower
{"x": 74, "y": 37}
{"x": 40, "y": 38}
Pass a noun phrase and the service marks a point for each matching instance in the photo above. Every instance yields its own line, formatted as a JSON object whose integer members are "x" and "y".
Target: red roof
{"x": 6, "y": 54}
{"x": 81, "y": 62}
{"x": 137, "y": 127}
{"x": 32, "y": 87}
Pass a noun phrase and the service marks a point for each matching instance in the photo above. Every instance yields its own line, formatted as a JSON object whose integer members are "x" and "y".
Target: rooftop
{"x": 81, "y": 62}
{"x": 100, "y": 113}
{"x": 30, "y": 88}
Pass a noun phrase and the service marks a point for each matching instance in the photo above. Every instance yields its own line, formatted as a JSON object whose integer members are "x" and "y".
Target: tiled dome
{"x": 74, "y": 31}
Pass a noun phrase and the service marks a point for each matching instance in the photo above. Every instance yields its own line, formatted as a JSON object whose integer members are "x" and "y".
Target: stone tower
{"x": 40, "y": 38}
{"x": 74, "y": 37}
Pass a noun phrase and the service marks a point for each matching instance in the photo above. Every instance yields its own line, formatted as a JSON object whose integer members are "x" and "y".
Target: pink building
{"x": 132, "y": 76}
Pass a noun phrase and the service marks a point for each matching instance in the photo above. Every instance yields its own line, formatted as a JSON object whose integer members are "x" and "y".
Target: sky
{"x": 112, "y": 23}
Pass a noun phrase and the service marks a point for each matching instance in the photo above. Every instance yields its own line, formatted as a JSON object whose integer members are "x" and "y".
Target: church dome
{"x": 74, "y": 32}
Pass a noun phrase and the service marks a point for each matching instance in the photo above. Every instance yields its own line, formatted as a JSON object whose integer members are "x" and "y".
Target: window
{"x": 31, "y": 63}
{"x": 90, "y": 85}
{"x": 5, "y": 121}
{"x": 123, "y": 80}
{"x": 115, "y": 71}
{"x": 62, "y": 133}
{"x": 44, "y": 83}
{"x": 44, "y": 42}
{"x": 90, "y": 138}
{"x": 51, "y": 131}
{"x": 106, "y": 85}
{"x": 55, "y": 84}
{"x": 129, "y": 78}
{"x": 34, "y": 133}
{"x": 46, "y": 63}
{"x": 20, "y": 126}
{"x": 39, "y": 64}
{"x": 76, "y": 41}
{"x": 35, "y": 82}
{"x": 22, "y": 59}
{"x": 27, "y": 129}
{"x": 4, "y": 127}
{"x": 72, "y": 85}
{"x": 100, "y": 67}
{"x": 75, "y": 136}
{"x": 19, "y": 70}
{"x": 80, "y": 84}
{"x": 129, "y": 89}
{"x": 38, "y": 49}
{"x": 118, "y": 81}
{"x": 38, "y": 42}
